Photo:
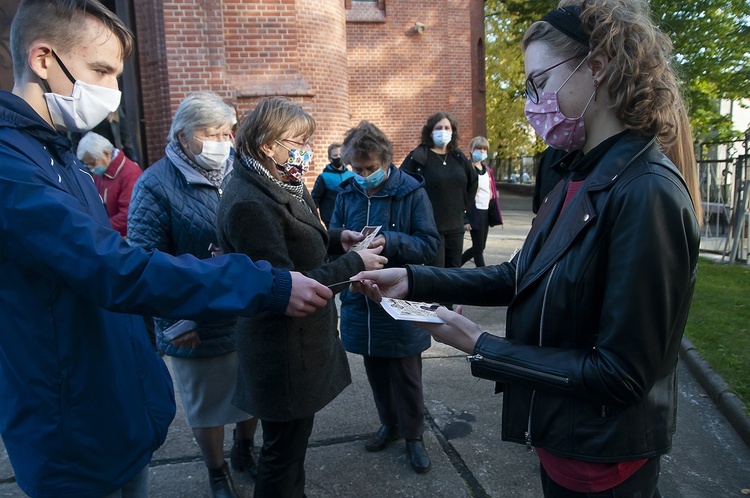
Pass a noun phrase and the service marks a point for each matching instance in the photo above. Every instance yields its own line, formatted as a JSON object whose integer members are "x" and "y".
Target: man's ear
{"x": 40, "y": 55}
{"x": 598, "y": 64}
{"x": 107, "y": 156}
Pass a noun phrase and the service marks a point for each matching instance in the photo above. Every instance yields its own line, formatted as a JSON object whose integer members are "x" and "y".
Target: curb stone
{"x": 718, "y": 390}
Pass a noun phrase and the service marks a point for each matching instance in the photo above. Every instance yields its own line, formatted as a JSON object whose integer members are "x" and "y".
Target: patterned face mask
{"x": 296, "y": 166}
{"x": 555, "y": 128}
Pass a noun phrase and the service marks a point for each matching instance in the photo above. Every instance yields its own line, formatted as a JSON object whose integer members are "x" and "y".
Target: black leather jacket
{"x": 597, "y": 305}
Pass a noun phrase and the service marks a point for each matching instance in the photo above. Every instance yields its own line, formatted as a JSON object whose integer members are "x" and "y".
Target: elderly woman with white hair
{"x": 173, "y": 209}
{"x": 114, "y": 176}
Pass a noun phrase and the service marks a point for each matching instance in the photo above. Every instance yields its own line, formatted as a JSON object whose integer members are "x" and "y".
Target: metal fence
{"x": 724, "y": 171}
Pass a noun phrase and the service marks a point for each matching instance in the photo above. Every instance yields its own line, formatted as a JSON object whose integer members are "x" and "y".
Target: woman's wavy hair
{"x": 641, "y": 79}
{"x": 431, "y": 122}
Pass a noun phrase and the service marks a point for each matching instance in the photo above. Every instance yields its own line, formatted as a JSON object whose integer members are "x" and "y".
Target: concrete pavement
{"x": 709, "y": 458}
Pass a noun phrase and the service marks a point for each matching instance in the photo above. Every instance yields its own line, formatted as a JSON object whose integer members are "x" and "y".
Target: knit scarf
{"x": 252, "y": 164}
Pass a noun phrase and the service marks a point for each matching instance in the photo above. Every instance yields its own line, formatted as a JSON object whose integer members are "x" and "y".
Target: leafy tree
{"x": 711, "y": 46}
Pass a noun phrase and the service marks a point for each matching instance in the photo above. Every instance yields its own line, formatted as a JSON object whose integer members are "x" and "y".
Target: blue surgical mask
{"x": 478, "y": 156}
{"x": 99, "y": 169}
{"x": 375, "y": 179}
{"x": 442, "y": 137}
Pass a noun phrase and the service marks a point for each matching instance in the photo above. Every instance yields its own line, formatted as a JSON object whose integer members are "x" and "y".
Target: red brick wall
{"x": 397, "y": 78}
{"x": 152, "y": 60}
{"x": 248, "y": 50}
{"x": 341, "y": 72}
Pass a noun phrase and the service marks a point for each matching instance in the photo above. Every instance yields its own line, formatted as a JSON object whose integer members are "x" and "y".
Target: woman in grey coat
{"x": 289, "y": 367}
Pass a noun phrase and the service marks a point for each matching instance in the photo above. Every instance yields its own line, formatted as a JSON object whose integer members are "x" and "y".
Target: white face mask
{"x": 85, "y": 108}
{"x": 214, "y": 154}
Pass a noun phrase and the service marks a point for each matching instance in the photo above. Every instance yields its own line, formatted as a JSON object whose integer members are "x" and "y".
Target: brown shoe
{"x": 380, "y": 439}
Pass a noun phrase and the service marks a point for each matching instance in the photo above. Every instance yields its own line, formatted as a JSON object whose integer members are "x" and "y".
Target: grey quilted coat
{"x": 289, "y": 367}
{"x": 173, "y": 209}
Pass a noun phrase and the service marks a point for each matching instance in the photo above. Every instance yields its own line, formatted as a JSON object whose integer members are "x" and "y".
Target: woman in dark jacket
{"x": 599, "y": 295}
{"x": 450, "y": 182}
{"x": 173, "y": 209}
{"x": 290, "y": 368}
{"x": 381, "y": 195}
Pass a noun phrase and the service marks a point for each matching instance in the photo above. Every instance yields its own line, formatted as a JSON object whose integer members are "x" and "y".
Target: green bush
{"x": 719, "y": 322}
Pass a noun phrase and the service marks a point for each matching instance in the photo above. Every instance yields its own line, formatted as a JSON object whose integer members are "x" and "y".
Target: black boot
{"x": 418, "y": 457}
{"x": 380, "y": 439}
{"x": 221, "y": 482}
{"x": 241, "y": 456}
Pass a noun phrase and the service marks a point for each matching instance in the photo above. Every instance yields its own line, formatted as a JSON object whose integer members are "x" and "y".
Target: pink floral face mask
{"x": 556, "y": 129}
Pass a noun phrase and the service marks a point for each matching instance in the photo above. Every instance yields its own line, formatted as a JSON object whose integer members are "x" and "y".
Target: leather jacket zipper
{"x": 521, "y": 370}
{"x": 527, "y": 435}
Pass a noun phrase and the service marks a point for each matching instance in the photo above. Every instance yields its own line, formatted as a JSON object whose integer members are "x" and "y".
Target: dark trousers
{"x": 450, "y": 250}
{"x": 478, "y": 240}
{"x": 396, "y": 385}
{"x": 281, "y": 466}
{"x": 642, "y": 484}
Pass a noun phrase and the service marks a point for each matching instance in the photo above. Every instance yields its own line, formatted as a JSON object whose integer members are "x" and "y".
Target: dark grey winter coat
{"x": 289, "y": 367}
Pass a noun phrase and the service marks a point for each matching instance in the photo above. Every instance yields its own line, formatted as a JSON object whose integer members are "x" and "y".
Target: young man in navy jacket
{"x": 84, "y": 400}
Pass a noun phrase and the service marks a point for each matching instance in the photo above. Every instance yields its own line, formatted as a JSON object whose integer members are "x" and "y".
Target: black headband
{"x": 568, "y": 21}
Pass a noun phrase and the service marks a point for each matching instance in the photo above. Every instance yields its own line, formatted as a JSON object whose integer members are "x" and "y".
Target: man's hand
{"x": 457, "y": 331}
{"x": 307, "y": 295}
{"x": 187, "y": 340}
{"x": 349, "y": 239}
{"x": 392, "y": 282}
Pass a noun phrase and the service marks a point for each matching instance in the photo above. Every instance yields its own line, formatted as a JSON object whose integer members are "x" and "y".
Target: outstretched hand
{"x": 307, "y": 295}
{"x": 457, "y": 331}
{"x": 392, "y": 282}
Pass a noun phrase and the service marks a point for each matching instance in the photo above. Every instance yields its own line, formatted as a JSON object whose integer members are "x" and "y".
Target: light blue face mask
{"x": 99, "y": 170}
{"x": 478, "y": 156}
{"x": 442, "y": 137}
{"x": 375, "y": 179}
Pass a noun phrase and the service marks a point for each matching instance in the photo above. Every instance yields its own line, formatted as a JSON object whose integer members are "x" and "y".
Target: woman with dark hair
{"x": 599, "y": 294}
{"x": 450, "y": 182}
{"x": 380, "y": 194}
{"x": 289, "y": 368}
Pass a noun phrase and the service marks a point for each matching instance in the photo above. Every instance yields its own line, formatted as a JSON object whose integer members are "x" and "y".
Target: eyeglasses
{"x": 298, "y": 144}
{"x": 531, "y": 90}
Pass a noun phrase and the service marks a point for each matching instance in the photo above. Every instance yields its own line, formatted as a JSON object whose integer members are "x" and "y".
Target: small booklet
{"x": 412, "y": 311}
{"x": 369, "y": 232}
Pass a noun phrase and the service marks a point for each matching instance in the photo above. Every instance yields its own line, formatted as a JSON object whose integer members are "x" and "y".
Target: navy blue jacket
{"x": 173, "y": 209}
{"x": 326, "y": 189}
{"x": 404, "y": 211}
{"x": 84, "y": 400}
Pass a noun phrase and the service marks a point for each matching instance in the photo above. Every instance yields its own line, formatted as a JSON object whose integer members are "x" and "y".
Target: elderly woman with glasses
{"x": 173, "y": 209}
{"x": 598, "y": 296}
{"x": 290, "y": 368}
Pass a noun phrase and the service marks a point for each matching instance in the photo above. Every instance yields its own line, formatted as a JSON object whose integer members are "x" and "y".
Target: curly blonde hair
{"x": 641, "y": 80}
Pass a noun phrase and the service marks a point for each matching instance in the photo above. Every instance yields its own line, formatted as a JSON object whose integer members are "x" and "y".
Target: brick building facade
{"x": 393, "y": 62}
